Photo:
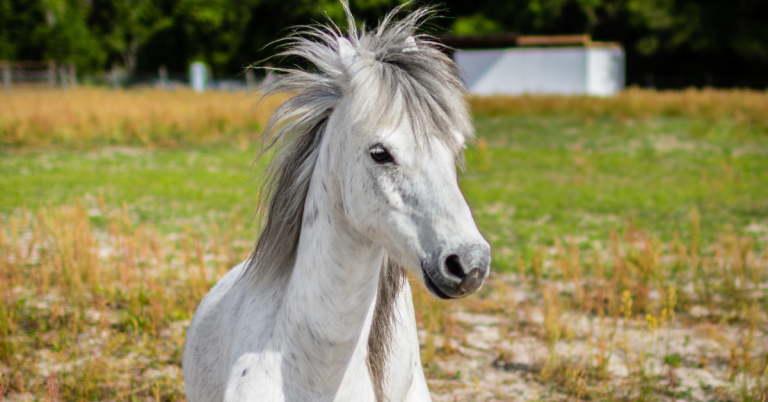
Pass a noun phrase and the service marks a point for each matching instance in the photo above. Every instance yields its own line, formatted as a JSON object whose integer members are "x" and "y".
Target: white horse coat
{"x": 364, "y": 188}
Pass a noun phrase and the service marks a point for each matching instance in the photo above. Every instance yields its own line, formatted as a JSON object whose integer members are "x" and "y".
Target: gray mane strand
{"x": 425, "y": 82}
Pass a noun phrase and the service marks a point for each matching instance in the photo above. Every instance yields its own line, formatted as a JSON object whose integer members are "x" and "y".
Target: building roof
{"x": 511, "y": 39}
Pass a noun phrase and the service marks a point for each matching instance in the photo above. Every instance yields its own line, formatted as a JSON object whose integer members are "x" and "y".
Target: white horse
{"x": 363, "y": 188}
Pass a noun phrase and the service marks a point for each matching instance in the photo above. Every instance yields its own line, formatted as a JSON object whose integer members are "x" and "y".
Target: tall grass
{"x": 96, "y": 307}
{"x": 94, "y": 117}
{"x": 630, "y": 295}
{"x": 90, "y": 117}
{"x": 747, "y": 108}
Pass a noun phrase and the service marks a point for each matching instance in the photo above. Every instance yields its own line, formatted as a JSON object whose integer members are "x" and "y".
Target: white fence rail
{"x": 37, "y": 74}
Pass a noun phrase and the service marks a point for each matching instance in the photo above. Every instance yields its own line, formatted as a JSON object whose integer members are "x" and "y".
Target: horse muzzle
{"x": 458, "y": 272}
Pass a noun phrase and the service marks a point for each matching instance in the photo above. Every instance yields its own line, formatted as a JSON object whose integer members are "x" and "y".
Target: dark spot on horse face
{"x": 244, "y": 372}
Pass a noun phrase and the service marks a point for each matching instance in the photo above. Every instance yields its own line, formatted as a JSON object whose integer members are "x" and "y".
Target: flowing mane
{"x": 411, "y": 70}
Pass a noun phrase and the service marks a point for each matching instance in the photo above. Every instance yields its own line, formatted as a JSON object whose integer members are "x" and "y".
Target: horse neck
{"x": 330, "y": 296}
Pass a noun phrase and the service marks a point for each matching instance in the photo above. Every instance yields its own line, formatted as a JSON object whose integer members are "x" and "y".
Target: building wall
{"x": 567, "y": 71}
{"x": 605, "y": 71}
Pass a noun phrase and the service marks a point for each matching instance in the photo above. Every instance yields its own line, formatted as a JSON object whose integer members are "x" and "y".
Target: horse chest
{"x": 268, "y": 375}
{"x": 273, "y": 376}
{"x": 280, "y": 365}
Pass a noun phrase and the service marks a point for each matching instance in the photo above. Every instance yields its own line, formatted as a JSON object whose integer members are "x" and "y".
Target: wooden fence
{"x": 38, "y": 74}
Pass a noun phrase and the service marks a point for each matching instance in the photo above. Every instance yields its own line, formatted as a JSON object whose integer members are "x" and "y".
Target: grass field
{"x": 623, "y": 232}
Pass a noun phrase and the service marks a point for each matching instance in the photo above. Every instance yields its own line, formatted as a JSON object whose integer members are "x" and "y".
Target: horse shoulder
{"x": 203, "y": 358}
{"x": 255, "y": 376}
{"x": 218, "y": 347}
{"x": 255, "y": 365}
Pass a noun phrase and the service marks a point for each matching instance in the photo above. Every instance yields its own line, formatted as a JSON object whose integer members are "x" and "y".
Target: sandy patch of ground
{"x": 498, "y": 358}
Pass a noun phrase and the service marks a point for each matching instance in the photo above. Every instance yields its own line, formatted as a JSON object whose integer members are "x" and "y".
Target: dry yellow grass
{"x": 100, "y": 313}
{"x": 612, "y": 324}
{"x": 95, "y": 307}
{"x": 745, "y": 107}
{"x": 90, "y": 117}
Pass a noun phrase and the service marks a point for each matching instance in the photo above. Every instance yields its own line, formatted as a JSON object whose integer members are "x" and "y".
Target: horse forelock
{"x": 422, "y": 80}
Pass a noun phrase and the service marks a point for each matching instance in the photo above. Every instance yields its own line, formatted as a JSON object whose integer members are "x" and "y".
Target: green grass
{"x": 168, "y": 188}
{"x": 543, "y": 190}
{"x": 538, "y": 178}
{"x": 541, "y": 178}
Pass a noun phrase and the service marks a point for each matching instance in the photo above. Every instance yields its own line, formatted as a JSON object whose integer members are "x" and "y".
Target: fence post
{"x": 249, "y": 81}
{"x": 72, "y": 75}
{"x": 52, "y": 73}
{"x": 63, "y": 76}
{"x": 7, "y": 76}
{"x": 198, "y": 79}
{"x": 113, "y": 76}
{"x": 163, "y": 72}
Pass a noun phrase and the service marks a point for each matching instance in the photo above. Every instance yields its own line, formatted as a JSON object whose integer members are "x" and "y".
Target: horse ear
{"x": 346, "y": 51}
{"x": 410, "y": 45}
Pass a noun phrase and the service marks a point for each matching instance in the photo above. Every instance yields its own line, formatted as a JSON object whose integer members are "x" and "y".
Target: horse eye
{"x": 379, "y": 154}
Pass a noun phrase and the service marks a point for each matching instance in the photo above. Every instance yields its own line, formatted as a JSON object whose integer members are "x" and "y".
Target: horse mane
{"x": 424, "y": 81}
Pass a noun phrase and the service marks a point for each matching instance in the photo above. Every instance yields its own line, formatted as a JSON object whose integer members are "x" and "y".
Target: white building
{"x": 591, "y": 68}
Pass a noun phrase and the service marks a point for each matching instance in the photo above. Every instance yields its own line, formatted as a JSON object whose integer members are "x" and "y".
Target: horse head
{"x": 399, "y": 135}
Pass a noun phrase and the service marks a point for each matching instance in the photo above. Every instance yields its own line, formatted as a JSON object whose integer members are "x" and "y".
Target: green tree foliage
{"x": 214, "y": 28}
{"x": 131, "y": 24}
{"x": 687, "y": 39}
{"x": 687, "y": 35}
{"x": 475, "y": 24}
{"x": 7, "y": 47}
{"x": 19, "y": 20}
{"x": 48, "y": 30}
{"x": 66, "y": 36}
{"x": 650, "y": 25}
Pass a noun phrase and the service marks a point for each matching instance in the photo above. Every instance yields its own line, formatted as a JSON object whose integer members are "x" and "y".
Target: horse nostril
{"x": 453, "y": 265}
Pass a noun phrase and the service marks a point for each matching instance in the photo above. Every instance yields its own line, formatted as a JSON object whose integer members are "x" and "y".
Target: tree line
{"x": 685, "y": 42}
